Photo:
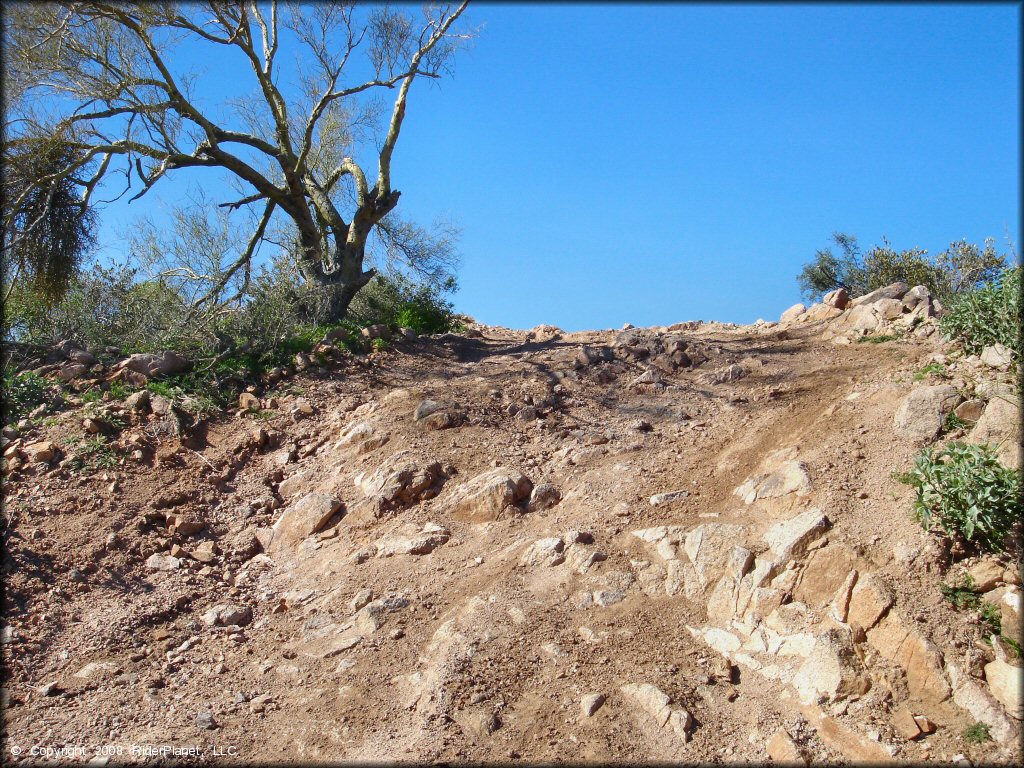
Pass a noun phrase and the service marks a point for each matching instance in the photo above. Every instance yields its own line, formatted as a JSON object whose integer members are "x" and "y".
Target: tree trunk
{"x": 342, "y": 286}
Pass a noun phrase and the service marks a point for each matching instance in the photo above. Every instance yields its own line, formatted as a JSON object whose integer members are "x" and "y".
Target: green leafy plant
{"x": 95, "y": 453}
{"x": 991, "y": 617}
{"x": 953, "y": 422}
{"x": 379, "y": 345}
{"x": 987, "y": 316}
{"x": 960, "y": 268}
{"x": 976, "y": 734}
{"x": 23, "y": 393}
{"x": 197, "y": 393}
{"x": 932, "y": 369}
{"x": 964, "y": 490}
{"x": 962, "y": 594}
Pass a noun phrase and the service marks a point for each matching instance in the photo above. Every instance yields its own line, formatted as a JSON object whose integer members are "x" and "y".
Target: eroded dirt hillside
{"x": 641, "y": 545}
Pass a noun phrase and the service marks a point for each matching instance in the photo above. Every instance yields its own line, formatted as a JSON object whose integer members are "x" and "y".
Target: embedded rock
{"x": 307, "y": 516}
{"x": 922, "y": 413}
{"x": 488, "y": 494}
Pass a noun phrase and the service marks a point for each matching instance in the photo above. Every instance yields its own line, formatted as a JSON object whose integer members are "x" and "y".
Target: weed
{"x": 966, "y": 491}
{"x": 119, "y": 390}
{"x": 92, "y": 396}
{"x": 932, "y": 369}
{"x": 877, "y": 339}
{"x": 953, "y": 422}
{"x": 962, "y": 594}
{"x": 991, "y": 618}
{"x": 196, "y": 393}
{"x": 261, "y": 415}
{"x": 380, "y": 345}
{"x": 95, "y": 453}
{"x": 1014, "y": 646}
{"x": 976, "y": 734}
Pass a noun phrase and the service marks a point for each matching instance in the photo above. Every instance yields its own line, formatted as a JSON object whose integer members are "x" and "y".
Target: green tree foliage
{"x": 960, "y": 268}
{"x": 988, "y": 315}
{"x": 48, "y": 226}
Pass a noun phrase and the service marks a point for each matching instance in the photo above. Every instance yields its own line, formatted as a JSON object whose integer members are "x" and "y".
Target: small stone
{"x": 228, "y": 615}
{"x": 544, "y": 496}
{"x": 49, "y": 689}
{"x": 663, "y": 499}
{"x": 905, "y": 724}
{"x": 590, "y": 703}
{"x": 782, "y": 748}
{"x": 247, "y": 401}
{"x": 925, "y": 725}
{"x": 40, "y": 451}
{"x": 158, "y": 562}
{"x": 997, "y": 356}
{"x": 970, "y": 411}
{"x": 260, "y": 703}
{"x": 362, "y": 597}
{"x": 205, "y": 721}
{"x": 986, "y": 574}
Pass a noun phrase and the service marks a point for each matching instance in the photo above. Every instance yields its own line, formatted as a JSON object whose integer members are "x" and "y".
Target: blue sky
{"x": 615, "y": 163}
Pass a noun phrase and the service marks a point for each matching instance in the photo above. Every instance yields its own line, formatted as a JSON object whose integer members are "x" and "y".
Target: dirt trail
{"x": 475, "y": 644}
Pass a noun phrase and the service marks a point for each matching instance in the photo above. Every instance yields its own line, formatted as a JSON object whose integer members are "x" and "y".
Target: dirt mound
{"x": 662, "y": 544}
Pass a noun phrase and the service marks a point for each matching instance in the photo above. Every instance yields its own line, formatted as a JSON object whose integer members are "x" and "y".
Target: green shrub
{"x": 396, "y": 300}
{"x": 107, "y": 306}
{"x": 24, "y": 392}
{"x": 962, "y": 595}
{"x": 976, "y": 734}
{"x": 988, "y": 315}
{"x": 960, "y": 268}
{"x": 966, "y": 491}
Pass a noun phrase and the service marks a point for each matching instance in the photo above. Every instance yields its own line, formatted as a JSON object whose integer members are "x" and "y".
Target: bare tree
{"x": 104, "y": 75}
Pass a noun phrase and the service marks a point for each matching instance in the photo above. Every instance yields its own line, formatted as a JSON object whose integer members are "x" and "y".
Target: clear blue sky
{"x": 616, "y": 163}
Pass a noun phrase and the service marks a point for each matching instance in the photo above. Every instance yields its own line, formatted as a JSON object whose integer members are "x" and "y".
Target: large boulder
{"x": 922, "y": 413}
{"x": 304, "y": 518}
{"x": 709, "y": 547}
{"x": 789, "y": 477}
{"x": 832, "y": 670}
{"x": 792, "y": 313}
{"x": 155, "y": 364}
{"x": 837, "y": 299}
{"x": 400, "y": 482}
{"x": 791, "y": 538}
{"x": 485, "y": 496}
{"x": 1000, "y": 425}
{"x": 892, "y": 291}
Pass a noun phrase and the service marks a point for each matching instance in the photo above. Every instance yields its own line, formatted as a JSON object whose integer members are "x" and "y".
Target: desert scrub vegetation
{"x": 958, "y": 270}
{"x": 965, "y": 491}
{"x": 987, "y": 316}
{"x": 23, "y": 393}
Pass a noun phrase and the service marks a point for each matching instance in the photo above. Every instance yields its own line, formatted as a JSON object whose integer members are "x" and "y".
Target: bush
{"x": 396, "y": 300}
{"x": 959, "y": 269}
{"x": 24, "y": 392}
{"x": 988, "y": 315}
{"x": 966, "y": 491}
{"x": 106, "y": 306}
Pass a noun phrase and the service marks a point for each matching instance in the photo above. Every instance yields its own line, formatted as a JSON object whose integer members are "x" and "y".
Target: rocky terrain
{"x": 676, "y": 543}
